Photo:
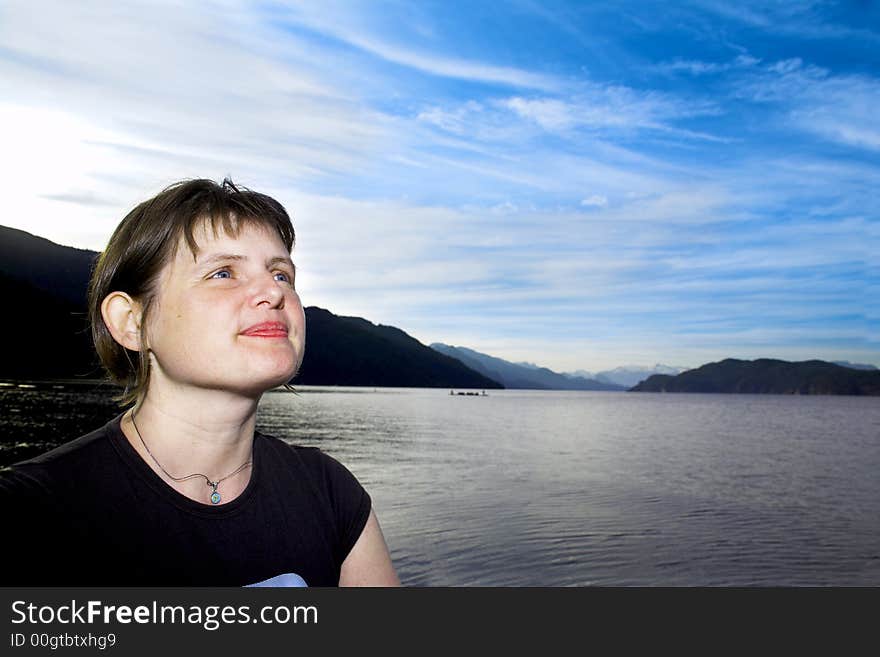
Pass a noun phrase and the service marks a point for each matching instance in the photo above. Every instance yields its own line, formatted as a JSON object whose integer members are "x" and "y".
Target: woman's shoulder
{"x": 312, "y": 462}
{"x": 334, "y": 486}
{"x": 311, "y": 458}
{"x": 84, "y": 451}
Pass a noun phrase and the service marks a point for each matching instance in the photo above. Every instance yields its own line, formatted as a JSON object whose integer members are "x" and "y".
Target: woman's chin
{"x": 281, "y": 374}
{"x": 256, "y": 373}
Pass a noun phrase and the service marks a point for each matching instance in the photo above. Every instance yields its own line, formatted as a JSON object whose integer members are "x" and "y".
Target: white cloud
{"x": 608, "y": 106}
{"x": 472, "y": 120}
{"x": 695, "y": 67}
{"x": 595, "y": 201}
{"x": 698, "y": 67}
{"x": 786, "y": 66}
{"x": 549, "y": 113}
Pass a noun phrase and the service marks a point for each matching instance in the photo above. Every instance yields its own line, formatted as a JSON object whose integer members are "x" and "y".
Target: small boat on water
{"x": 469, "y": 394}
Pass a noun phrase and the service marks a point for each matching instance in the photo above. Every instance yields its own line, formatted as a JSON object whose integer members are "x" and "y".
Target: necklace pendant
{"x": 215, "y": 496}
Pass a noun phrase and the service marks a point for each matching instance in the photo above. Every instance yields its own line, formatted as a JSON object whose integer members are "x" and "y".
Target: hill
{"x": 46, "y": 335}
{"x": 520, "y": 375}
{"x": 62, "y": 271}
{"x": 354, "y": 351}
{"x": 812, "y": 377}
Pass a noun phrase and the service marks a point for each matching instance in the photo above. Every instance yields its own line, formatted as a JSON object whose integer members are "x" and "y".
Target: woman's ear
{"x": 122, "y": 315}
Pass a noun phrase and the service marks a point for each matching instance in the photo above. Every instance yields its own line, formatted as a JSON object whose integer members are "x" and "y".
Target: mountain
{"x": 812, "y": 377}
{"x": 627, "y": 376}
{"x": 514, "y": 375}
{"x": 62, "y": 271}
{"x": 583, "y": 374}
{"x": 46, "y": 337}
{"x": 353, "y": 351}
{"x": 854, "y": 366}
{"x": 46, "y": 333}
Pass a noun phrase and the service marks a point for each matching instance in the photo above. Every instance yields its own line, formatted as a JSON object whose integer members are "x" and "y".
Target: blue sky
{"x": 580, "y": 185}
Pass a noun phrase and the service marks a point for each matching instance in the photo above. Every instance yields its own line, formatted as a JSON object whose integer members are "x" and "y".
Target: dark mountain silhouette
{"x": 62, "y": 271}
{"x": 521, "y": 375}
{"x": 353, "y": 351}
{"x": 46, "y": 334}
{"x": 811, "y": 377}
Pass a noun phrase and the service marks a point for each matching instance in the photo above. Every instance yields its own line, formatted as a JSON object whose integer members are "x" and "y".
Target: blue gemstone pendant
{"x": 215, "y": 498}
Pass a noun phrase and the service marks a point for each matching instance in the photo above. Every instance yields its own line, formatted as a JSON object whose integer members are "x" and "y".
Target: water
{"x": 527, "y": 488}
{"x": 579, "y": 488}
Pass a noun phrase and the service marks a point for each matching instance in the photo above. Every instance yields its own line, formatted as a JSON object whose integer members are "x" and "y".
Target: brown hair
{"x": 147, "y": 239}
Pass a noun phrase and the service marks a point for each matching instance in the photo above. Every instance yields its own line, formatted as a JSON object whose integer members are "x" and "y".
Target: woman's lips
{"x": 266, "y": 330}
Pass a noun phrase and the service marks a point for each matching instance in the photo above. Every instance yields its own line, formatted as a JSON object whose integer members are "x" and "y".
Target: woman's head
{"x": 148, "y": 240}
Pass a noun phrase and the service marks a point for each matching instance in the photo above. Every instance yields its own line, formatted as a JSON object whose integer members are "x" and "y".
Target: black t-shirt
{"x": 93, "y": 513}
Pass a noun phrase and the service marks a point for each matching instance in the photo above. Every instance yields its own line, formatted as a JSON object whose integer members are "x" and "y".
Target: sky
{"x": 578, "y": 185}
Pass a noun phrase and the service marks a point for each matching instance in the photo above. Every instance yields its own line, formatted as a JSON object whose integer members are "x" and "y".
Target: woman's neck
{"x": 178, "y": 435}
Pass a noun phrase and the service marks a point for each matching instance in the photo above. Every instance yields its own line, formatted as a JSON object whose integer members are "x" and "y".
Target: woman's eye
{"x": 282, "y": 276}
{"x": 223, "y": 273}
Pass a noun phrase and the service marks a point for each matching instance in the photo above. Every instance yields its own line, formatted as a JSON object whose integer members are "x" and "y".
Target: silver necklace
{"x": 215, "y": 496}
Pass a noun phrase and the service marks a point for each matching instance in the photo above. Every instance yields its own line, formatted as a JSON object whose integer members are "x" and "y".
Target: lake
{"x": 535, "y": 488}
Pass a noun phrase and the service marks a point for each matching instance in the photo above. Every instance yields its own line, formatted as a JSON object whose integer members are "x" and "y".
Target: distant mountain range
{"x": 521, "y": 375}
{"x": 812, "y": 377}
{"x": 626, "y": 376}
{"x": 855, "y": 366}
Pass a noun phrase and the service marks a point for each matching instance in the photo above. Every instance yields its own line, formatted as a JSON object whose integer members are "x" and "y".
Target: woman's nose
{"x": 268, "y": 292}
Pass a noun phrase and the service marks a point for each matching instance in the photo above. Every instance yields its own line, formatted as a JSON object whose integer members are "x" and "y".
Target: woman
{"x": 194, "y": 311}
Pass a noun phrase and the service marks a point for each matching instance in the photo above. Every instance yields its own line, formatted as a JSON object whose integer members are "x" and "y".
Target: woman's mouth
{"x": 266, "y": 330}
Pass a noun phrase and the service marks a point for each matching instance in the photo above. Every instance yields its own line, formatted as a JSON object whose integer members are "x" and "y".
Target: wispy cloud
{"x": 595, "y": 201}
{"x": 610, "y": 106}
{"x": 697, "y": 67}
{"x": 448, "y": 67}
{"x": 592, "y": 118}
{"x": 803, "y": 18}
{"x": 356, "y": 34}
{"x": 82, "y": 198}
{"x": 836, "y": 107}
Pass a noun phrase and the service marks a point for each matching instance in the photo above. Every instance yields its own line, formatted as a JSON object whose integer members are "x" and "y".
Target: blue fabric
{"x": 286, "y": 579}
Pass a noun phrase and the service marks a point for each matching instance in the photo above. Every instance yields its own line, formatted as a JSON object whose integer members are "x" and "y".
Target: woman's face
{"x": 230, "y": 319}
